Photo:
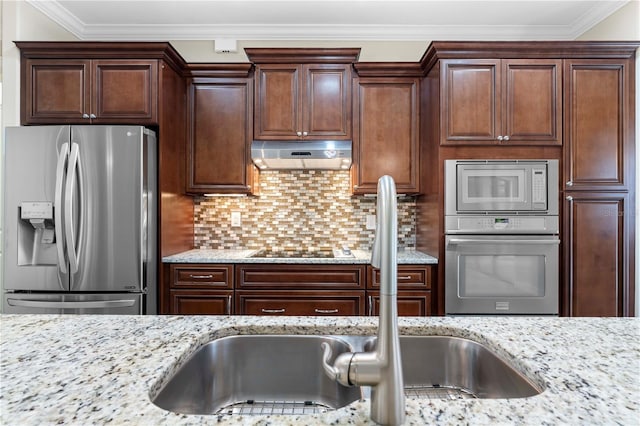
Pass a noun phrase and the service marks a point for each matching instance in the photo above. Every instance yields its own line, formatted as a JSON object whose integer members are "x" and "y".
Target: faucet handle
{"x": 340, "y": 370}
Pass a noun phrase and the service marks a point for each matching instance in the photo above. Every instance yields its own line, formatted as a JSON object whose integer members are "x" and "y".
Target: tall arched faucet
{"x": 382, "y": 368}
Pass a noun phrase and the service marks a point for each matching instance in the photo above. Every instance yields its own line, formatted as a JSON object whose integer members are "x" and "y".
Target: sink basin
{"x": 257, "y": 374}
{"x": 453, "y": 368}
{"x": 282, "y": 374}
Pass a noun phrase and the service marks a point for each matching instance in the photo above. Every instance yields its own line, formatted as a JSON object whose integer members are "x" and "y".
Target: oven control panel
{"x": 501, "y": 224}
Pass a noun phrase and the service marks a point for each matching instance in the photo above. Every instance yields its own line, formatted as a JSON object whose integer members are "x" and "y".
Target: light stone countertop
{"x": 408, "y": 257}
{"x": 90, "y": 369}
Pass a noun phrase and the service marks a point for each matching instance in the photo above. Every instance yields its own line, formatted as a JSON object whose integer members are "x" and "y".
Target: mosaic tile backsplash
{"x": 303, "y": 209}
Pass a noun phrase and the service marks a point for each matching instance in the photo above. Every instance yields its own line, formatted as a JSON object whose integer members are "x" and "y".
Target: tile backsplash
{"x": 302, "y": 209}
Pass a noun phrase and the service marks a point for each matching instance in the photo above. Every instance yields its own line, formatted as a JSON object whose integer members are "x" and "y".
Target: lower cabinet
{"x": 201, "y": 289}
{"x": 300, "y": 302}
{"x": 414, "y": 290}
{"x": 410, "y": 303}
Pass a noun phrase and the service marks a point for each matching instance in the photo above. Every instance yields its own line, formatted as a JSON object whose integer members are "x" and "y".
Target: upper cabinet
{"x": 302, "y": 94}
{"x": 220, "y": 117}
{"x": 92, "y": 83}
{"x": 90, "y": 91}
{"x": 599, "y": 120}
{"x": 386, "y": 129}
{"x": 501, "y": 101}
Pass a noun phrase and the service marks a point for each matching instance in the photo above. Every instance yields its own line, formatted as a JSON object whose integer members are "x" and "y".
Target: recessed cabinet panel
{"x": 327, "y": 101}
{"x": 533, "y": 110}
{"x": 278, "y": 101}
{"x": 386, "y": 137}
{"x": 597, "y": 254}
{"x": 219, "y": 136}
{"x": 57, "y": 90}
{"x": 410, "y": 303}
{"x": 125, "y": 90}
{"x": 471, "y": 100}
{"x": 184, "y": 302}
{"x": 596, "y": 98}
{"x": 300, "y": 302}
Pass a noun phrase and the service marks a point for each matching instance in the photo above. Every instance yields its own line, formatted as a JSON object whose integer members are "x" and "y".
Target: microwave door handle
{"x": 68, "y": 208}
{"x": 58, "y": 212}
{"x": 124, "y": 303}
{"x": 455, "y": 241}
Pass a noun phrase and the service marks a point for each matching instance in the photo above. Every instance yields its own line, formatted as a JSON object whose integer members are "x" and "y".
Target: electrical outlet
{"x": 236, "y": 219}
{"x": 371, "y": 221}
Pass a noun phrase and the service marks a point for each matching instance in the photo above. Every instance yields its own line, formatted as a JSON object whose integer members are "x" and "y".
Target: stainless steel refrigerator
{"x": 79, "y": 220}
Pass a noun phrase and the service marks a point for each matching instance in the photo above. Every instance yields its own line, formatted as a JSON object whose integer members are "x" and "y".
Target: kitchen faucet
{"x": 381, "y": 369}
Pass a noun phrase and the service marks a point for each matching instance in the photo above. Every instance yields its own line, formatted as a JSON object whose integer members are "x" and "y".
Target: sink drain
{"x": 251, "y": 407}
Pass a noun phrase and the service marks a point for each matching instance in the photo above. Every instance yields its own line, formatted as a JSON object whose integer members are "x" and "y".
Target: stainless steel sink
{"x": 257, "y": 374}
{"x": 282, "y": 374}
{"x": 454, "y": 368}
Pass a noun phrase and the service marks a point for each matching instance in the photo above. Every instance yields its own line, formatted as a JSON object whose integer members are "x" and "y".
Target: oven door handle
{"x": 455, "y": 241}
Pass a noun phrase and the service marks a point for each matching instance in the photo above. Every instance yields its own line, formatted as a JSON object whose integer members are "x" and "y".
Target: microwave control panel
{"x": 539, "y": 189}
{"x": 501, "y": 224}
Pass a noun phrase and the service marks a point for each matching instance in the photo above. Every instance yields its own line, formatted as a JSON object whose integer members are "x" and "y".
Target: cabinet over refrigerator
{"x": 79, "y": 220}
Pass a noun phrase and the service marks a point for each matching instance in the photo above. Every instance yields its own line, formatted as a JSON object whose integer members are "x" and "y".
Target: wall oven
{"x": 501, "y": 237}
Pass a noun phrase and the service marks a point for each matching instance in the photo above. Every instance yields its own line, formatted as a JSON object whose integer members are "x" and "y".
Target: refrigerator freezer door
{"x": 32, "y": 244}
{"x": 108, "y": 215}
{"x": 57, "y": 303}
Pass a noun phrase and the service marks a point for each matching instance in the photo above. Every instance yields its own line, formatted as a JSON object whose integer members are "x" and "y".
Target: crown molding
{"x": 55, "y": 11}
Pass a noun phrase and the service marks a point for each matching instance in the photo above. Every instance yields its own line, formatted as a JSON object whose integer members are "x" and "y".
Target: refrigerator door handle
{"x": 123, "y": 303}
{"x": 68, "y": 208}
{"x": 60, "y": 177}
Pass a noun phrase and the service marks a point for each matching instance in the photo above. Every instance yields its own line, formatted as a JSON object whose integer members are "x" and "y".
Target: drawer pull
{"x": 229, "y": 300}
{"x": 273, "y": 311}
{"x": 201, "y": 277}
{"x": 326, "y": 311}
{"x": 404, "y": 277}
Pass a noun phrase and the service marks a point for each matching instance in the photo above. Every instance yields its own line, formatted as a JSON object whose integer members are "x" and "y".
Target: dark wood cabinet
{"x": 598, "y": 153}
{"x": 414, "y": 290}
{"x": 302, "y": 94}
{"x": 200, "y": 289}
{"x": 105, "y": 91}
{"x": 220, "y": 133}
{"x": 501, "y": 101}
{"x": 386, "y": 134}
{"x": 303, "y": 101}
{"x": 597, "y": 254}
{"x": 300, "y": 302}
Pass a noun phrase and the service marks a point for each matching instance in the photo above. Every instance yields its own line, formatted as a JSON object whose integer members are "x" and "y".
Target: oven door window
{"x": 501, "y": 275}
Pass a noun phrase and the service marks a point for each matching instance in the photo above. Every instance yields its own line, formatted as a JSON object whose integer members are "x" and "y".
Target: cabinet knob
{"x": 304, "y": 134}
{"x": 92, "y": 116}
{"x": 569, "y": 198}
{"x": 85, "y": 115}
{"x": 569, "y": 183}
{"x": 506, "y": 138}
{"x": 500, "y": 138}
{"x": 299, "y": 134}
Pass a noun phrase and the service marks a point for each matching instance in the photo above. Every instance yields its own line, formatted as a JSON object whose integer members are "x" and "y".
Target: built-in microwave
{"x": 511, "y": 186}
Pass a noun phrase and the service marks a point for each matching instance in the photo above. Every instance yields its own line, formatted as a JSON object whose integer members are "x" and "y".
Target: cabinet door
{"x": 220, "y": 116}
{"x": 124, "y": 91}
{"x": 278, "y": 100}
{"x": 204, "y": 277}
{"x": 532, "y": 110}
{"x": 471, "y": 101}
{"x": 55, "y": 91}
{"x": 410, "y": 277}
{"x": 596, "y": 254}
{"x": 278, "y": 276}
{"x": 410, "y": 303}
{"x": 326, "y": 104}
{"x": 193, "y": 302}
{"x": 598, "y": 129}
{"x": 300, "y": 302}
{"x": 386, "y": 134}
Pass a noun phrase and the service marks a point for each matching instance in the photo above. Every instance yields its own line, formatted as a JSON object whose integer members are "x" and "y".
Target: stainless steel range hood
{"x": 311, "y": 155}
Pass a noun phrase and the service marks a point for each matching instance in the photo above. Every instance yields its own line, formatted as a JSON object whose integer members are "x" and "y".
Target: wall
{"x": 303, "y": 210}
{"x": 625, "y": 25}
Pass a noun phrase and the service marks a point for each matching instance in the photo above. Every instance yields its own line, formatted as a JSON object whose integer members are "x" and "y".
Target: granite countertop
{"x": 408, "y": 257}
{"x": 102, "y": 369}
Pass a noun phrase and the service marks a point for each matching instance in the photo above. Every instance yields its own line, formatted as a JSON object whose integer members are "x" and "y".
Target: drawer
{"x": 410, "y": 303}
{"x": 410, "y": 277}
{"x": 206, "y": 276}
{"x": 189, "y": 302}
{"x": 342, "y": 303}
{"x": 280, "y": 276}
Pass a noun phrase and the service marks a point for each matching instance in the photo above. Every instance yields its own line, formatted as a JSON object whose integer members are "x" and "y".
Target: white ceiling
{"x": 327, "y": 19}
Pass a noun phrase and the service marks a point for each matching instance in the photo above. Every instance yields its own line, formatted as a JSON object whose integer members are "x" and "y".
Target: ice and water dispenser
{"x": 36, "y": 234}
